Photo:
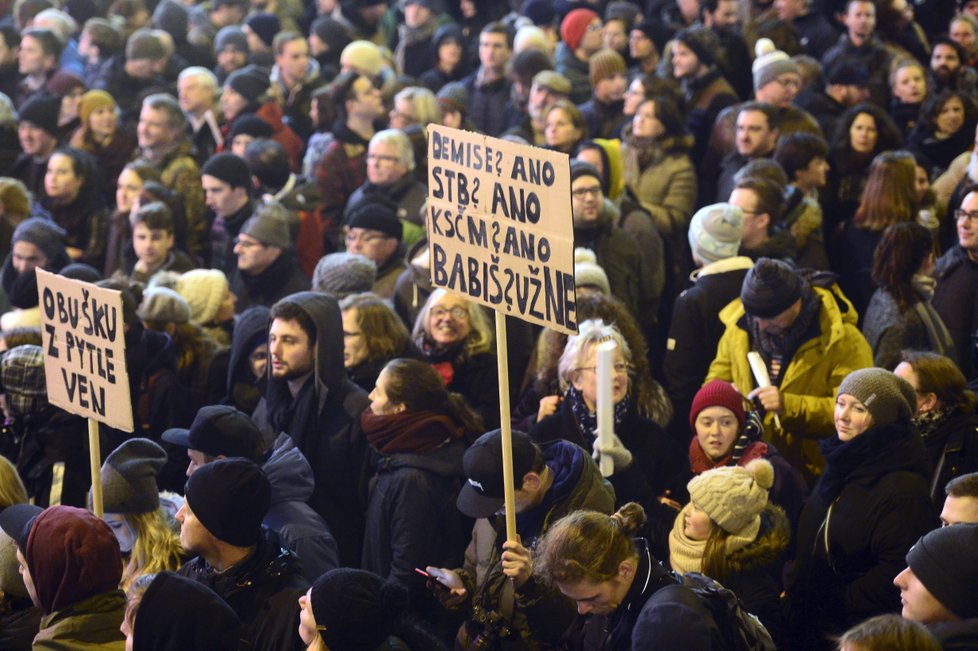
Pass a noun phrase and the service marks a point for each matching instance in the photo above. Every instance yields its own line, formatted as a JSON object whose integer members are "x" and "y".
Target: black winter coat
{"x": 282, "y": 278}
{"x": 263, "y": 591}
{"x": 881, "y": 509}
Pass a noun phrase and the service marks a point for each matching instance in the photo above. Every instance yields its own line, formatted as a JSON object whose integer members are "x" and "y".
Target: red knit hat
{"x": 717, "y": 393}
{"x": 574, "y": 25}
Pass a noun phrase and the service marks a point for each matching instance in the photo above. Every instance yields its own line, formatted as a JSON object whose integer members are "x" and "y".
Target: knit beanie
{"x": 587, "y": 271}
{"x": 230, "y": 497}
{"x": 574, "y": 25}
{"x": 251, "y": 82}
{"x": 376, "y": 216}
{"x": 734, "y": 496}
{"x": 342, "y": 274}
{"x": 129, "y": 477}
{"x": 655, "y": 32}
{"x": 715, "y": 232}
{"x": 229, "y": 168}
{"x": 81, "y": 271}
{"x": 847, "y": 72}
{"x": 888, "y": 397}
{"x": 605, "y": 64}
{"x": 204, "y": 290}
{"x": 702, "y": 41}
{"x": 11, "y": 581}
{"x": 330, "y": 31}
{"x": 92, "y": 100}
{"x": 231, "y": 36}
{"x": 163, "y": 305}
{"x": 362, "y": 56}
{"x": 770, "y": 63}
{"x": 454, "y": 97}
{"x": 579, "y": 168}
{"x": 42, "y": 111}
{"x": 717, "y": 393}
{"x": 945, "y": 561}
{"x": 172, "y": 17}
{"x": 622, "y": 10}
{"x": 250, "y": 125}
{"x": 265, "y": 26}
{"x": 269, "y": 229}
{"x": 22, "y": 378}
{"x": 540, "y": 12}
{"x": 42, "y": 233}
{"x": 355, "y": 608}
{"x": 63, "y": 82}
{"x": 770, "y": 288}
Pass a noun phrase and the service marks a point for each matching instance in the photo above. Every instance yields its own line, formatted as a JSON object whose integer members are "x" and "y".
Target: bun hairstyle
{"x": 589, "y": 546}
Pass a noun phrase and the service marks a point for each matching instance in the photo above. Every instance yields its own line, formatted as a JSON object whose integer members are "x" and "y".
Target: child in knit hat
{"x": 731, "y": 532}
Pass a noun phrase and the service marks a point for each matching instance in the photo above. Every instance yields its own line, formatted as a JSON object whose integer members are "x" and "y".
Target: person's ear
{"x": 626, "y": 569}
{"x": 927, "y": 402}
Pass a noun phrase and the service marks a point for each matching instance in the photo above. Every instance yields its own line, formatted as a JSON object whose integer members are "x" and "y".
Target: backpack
{"x": 741, "y": 631}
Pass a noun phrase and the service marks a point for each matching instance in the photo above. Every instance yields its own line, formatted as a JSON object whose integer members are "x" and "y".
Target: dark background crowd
{"x": 316, "y": 459}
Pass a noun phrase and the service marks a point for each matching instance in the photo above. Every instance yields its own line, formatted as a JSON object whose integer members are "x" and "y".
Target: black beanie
{"x": 581, "y": 168}
{"x": 376, "y": 215}
{"x": 44, "y": 234}
{"x": 265, "y": 26}
{"x": 946, "y": 562}
{"x": 229, "y": 168}
{"x": 770, "y": 288}
{"x": 230, "y": 497}
{"x": 251, "y": 82}
{"x": 357, "y": 609}
{"x": 250, "y": 125}
{"x": 42, "y": 111}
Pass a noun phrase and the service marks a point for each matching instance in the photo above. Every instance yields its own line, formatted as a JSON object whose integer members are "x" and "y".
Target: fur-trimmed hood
{"x": 769, "y": 546}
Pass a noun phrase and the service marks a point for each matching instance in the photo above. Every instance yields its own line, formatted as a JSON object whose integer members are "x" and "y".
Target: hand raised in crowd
{"x": 516, "y": 562}
{"x": 548, "y": 406}
{"x": 769, "y": 397}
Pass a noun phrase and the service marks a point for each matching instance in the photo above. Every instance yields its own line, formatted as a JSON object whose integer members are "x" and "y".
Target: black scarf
{"x": 781, "y": 348}
{"x": 842, "y": 458}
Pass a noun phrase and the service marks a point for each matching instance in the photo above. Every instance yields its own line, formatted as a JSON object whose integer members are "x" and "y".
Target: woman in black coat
{"x": 869, "y": 506}
{"x": 648, "y": 464}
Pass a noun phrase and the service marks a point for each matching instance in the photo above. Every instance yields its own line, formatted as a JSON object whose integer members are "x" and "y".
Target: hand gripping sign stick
{"x": 606, "y": 404}
{"x": 760, "y": 374}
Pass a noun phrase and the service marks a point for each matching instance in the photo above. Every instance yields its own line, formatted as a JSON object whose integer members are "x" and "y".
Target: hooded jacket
{"x": 810, "y": 380}
{"x": 202, "y": 621}
{"x": 411, "y": 496}
{"x": 301, "y": 528}
{"x": 539, "y": 613}
{"x": 281, "y": 278}
{"x": 323, "y": 421}
{"x": 262, "y": 590}
{"x": 243, "y": 389}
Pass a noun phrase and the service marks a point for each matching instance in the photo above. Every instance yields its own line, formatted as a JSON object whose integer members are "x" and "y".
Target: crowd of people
{"x": 775, "y": 214}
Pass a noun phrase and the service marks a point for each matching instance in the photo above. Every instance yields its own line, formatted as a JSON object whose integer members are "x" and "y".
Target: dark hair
{"x": 155, "y": 191}
{"x": 890, "y": 196}
{"x": 940, "y": 375}
{"x": 82, "y": 166}
{"x": 944, "y": 39}
{"x": 282, "y": 38}
{"x": 770, "y": 200}
{"x": 419, "y": 387}
{"x": 887, "y": 134}
{"x": 132, "y": 296}
{"x": 963, "y": 486}
{"x": 668, "y": 113}
{"x": 526, "y": 64}
{"x": 934, "y": 104}
{"x": 48, "y": 40}
{"x": 156, "y": 215}
{"x": 899, "y": 254}
{"x": 796, "y": 151}
{"x": 11, "y": 37}
{"x": 769, "y": 110}
{"x": 341, "y": 91}
{"x": 763, "y": 168}
{"x": 498, "y": 27}
{"x": 588, "y": 546}
{"x": 323, "y": 98}
{"x": 269, "y": 162}
{"x": 286, "y": 310}
{"x": 104, "y": 36}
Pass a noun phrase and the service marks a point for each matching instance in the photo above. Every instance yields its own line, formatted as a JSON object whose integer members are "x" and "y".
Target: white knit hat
{"x": 770, "y": 63}
{"x": 204, "y": 290}
{"x": 734, "y": 496}
{"x": 587, "y": 271}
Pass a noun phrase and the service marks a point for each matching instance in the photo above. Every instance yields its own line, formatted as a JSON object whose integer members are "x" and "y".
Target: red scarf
{"x": 700, "y": 463}
{"x": 409, "y": 431}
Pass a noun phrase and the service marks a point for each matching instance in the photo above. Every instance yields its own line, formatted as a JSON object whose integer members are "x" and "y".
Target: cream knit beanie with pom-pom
{"x": 734, "y": 496}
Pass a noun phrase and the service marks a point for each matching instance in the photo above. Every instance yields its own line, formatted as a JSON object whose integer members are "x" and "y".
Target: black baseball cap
{"x": 483, "y": 494}
{"x": 219, "y": 430}
{"x": 16, "y": 521}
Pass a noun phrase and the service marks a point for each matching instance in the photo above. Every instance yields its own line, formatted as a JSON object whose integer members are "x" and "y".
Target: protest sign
{"x": 83, "y": 336}
{"x": 500, "y": 226}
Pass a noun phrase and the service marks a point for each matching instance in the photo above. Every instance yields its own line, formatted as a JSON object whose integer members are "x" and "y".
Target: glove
{"x": 619, "y": 454}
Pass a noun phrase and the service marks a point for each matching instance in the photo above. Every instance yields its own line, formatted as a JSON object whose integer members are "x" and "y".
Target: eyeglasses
{"x": 457, "y": 313}
{"x": 789, "y": 82}
{"x": 620, "y": 368}
{"x": 407, "y": 117}
{"x": 595, "y": 27}
{"x": 380, "y": 158}
{"x": 582, "y": 193}
{"x": 966, "y": 215}
{"x": 247, "y": 244}
{"x": 368, "y": 237}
